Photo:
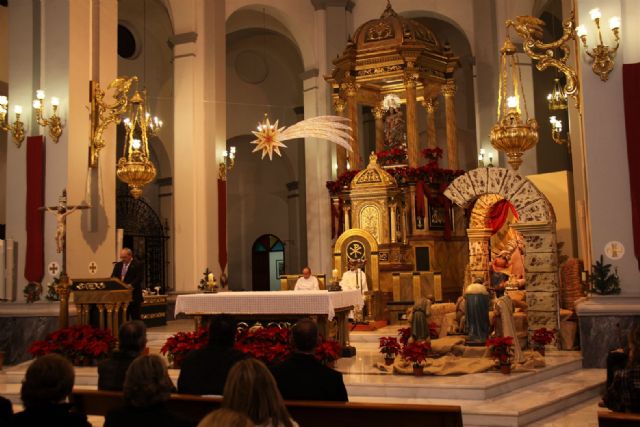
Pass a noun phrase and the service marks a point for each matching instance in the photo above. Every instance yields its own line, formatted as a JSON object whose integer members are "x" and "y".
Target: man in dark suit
{"x": 132, "y": 338}
{"x": 130, "y": 272}
{"x": 204, "y": 371}
{"x": 302, "y": 376}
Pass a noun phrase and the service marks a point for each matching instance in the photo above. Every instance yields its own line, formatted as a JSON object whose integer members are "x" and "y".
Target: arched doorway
{"x": 267, "y": 259}
{"x": 145, "y": 235}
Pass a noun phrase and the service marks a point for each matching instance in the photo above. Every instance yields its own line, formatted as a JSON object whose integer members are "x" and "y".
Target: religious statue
{"x": 61, "y": 212}
{"x": 477, "y": 313}
{"x": 419, "y": 320}
{"x": 461, "y": 314}
{"x": 395, "y": 130}
{"x": 504, "y": 323}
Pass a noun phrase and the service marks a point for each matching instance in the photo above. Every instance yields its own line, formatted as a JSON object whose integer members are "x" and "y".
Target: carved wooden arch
{"x": 371, "y": 247}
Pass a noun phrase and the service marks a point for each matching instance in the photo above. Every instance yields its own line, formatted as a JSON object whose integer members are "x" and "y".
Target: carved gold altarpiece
{"x": 101, "y": 302}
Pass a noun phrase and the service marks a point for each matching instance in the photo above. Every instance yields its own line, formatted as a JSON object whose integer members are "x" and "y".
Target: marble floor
{"x": 561, "y": 394}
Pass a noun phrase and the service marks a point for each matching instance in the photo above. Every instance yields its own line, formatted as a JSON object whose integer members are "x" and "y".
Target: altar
{"x": 277, "y": 306}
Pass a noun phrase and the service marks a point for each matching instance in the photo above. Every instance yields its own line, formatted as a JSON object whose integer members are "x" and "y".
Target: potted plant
{"x": 390, "y": 347}
{"x": 83, "y": 345}
{"x": 328, "y": 352}
{"x": 270, "y": 344}
{"x": 416, "y": 352}
{"x": 602, "y": 280}
{"x": 542, "y": 337}
{"x": 179, "y": 345}
{"x": 403, "y": 335}
{"x": 501, "y": 349}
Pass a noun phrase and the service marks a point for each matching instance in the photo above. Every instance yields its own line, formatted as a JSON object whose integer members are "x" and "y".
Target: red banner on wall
{"x": 631, "y": 90}
{"x": 222, "y": 225}
{"x": 34, "y": 261}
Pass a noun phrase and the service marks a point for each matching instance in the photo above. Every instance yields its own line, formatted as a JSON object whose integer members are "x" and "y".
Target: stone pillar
{"x": 479, "y": 252}
{"x": 392, "y": 222}
{"x": 430, "y": 106}
{"x": 351, "y": 90}
{"x": 449, "y": 91}
{"x": 378, "y": 114}
{"x": 341, "y": 153}
{"x": 413, "y": 146}
{"x": 541, "y": 273}
{"x": 347, "y": 223}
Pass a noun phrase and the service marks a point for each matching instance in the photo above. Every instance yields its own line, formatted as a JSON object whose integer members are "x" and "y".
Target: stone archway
{"x": 537, "y": 225}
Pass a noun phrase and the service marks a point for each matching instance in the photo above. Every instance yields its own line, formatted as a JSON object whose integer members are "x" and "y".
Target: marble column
{"x": 341, "y": 153}
{"x": 378, "y": 114}
{"x": 449, "y": 91}
{"x": 351, "y": 90}
{"x": 479, "y": 252}
{"x": 413, "y": 146}
{"x": 430, "y": 106}
{"x": 347, "y": 220}
{"x": 392, "y": 222}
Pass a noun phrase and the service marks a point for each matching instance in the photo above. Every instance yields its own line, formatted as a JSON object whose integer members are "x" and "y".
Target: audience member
{"x": 623, "y": 394}
{"x": 45, "y": 388}
{"x": 204, "y": 371}
{"x": 6, "y": 411}
{"x": 132, "y": 338}
{"x": 224, "y": 417}
{"x": 147, "y": 388}
{"x": 307, "y": 282}
{"x": 251, "y": 389}
{"x": 302, "y": 376}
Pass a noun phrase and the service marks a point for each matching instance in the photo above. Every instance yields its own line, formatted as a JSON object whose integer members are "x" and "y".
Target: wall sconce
{"x": 17, "y": 127}
{"x": 556, "y": 130}
{"x": 481, "y": 158}
{"x": 227, "y": 163}
{"x": 602, "y": 55}
{"x": 53, "y": 122}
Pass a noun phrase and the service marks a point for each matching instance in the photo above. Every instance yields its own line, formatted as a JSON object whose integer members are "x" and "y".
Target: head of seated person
{"x": 304, "y": 336}
{"x": 132, "y": 337}
{"x": 251, "y": 389}
{"x": 48, "y": 381}
{"x": 147, "y": 382}
{"x": 222, "y": 331}
{"x": 224, "y": 417}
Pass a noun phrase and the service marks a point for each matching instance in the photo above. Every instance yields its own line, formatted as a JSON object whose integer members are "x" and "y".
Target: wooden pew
{"x": 618, "y": 419}
{"x": 307, "y": 414}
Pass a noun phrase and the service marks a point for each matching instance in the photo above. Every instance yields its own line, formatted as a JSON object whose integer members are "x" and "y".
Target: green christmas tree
{"x": 603, "y": 281}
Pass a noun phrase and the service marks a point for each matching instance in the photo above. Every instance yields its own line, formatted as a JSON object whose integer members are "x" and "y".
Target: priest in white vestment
{"x": 354, "y": 279}
{"x": 307, "y": 282}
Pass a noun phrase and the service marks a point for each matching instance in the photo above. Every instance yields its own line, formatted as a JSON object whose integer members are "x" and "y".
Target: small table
{"x": 277, "y": 306}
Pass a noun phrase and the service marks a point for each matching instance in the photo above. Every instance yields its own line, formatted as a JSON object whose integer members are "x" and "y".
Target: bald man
{"x": 130, "y": 272}
{"x": 307, "y": 282}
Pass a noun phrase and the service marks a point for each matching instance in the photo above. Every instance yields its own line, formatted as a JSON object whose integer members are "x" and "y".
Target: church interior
{"x": 455, "y": 175}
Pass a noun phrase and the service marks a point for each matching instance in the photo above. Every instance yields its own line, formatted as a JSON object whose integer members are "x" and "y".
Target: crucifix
{"x": 61, "y": 211}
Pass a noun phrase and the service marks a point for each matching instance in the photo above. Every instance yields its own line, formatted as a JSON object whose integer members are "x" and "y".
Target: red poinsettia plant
{"x": 179, "y": 345}
{"x": 416, "y": 352}
{"x": 403, "y": 335}
{"x": 392, "y": 156}
{"x": 389, "y": 346}
{"x": 81, "y": 344}
{"x": 328, "y": 352}
{"x": 501, "y": 349}
{"x": 270, "y": 344}
{"x": 542, "y": 337}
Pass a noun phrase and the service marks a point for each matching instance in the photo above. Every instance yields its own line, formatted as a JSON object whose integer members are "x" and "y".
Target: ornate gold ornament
{"x": 513, "y": 134}
{"x": 17, "y": 127}
{"x": 54, "y": 123}
{"x": 557, "y": 99}
{"x": 556, "y": 130}
{"x": 530, "y": 29}
{"x": 602, "y": 55}
{"x": 331, "y": 128}
{"x": 227, "y": 163}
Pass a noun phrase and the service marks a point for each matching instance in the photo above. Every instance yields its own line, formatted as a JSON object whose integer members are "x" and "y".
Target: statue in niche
{"x": 395, "y": 130}
{"x": 477, "y": 312}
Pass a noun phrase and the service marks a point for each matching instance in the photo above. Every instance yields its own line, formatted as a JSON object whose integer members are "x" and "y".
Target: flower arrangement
{"x": 403, "y": 335}
{"x": 416, "y": 352}
{"x": 389, "y": 346}
{"x": 392, "y": 156}
{"x": 343, "y": 181}
{"x": 52, "y": 291}
{"x": 542, "y": 337}
{"x": 179, "y": 345}
{"x": 81, "y": 344}
{"x": 32, "y": 292}
{"x": 501, "y": 349}
{"x": 328, "y": 352}
{"x": 270, "y": 344}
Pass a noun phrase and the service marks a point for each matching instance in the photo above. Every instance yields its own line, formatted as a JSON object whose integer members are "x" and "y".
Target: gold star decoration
{"x": 270, "y": 137}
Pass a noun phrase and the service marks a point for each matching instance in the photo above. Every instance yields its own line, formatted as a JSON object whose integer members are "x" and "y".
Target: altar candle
{"x": 210, "y": 278}
{"x": 334, "y": 273}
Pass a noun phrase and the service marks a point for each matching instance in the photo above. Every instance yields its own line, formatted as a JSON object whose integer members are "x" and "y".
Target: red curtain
{"x": 34, "y": 261}
{"x": 631, "y": 83}
{"x": 498, "y": 215}
{"x": 222, "y": 225}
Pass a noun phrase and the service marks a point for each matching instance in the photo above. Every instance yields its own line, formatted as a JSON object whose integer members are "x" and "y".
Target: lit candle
{"x": 583, "y": 277}
{"x": 334, "y": 273}
{"x": 595, "y": 14}
{"x": 4, "y": 100}
{"x": 210, "y": 278}
{"x": 37, "y": 104}
{"x": 614, "y": 22}
{"x": 40, "y": 94}
{"x": 581, "y": 30}
{"x": 512, "y": 102}
{"x": 17, "y": 109}
{"x": 55, "y": 101}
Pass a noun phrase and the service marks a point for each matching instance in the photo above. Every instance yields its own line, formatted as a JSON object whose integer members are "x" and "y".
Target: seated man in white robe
{"x": 354, "y": 279}
{"x": 307, "y": 282}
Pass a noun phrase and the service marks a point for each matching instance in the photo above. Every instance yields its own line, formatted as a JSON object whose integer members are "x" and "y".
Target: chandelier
{"x": 134, "y": 167}
{"x": 513, "y": 134}
{"x": 557, "y": 99}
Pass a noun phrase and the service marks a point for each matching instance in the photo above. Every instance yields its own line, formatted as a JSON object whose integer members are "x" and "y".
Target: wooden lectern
{"x": 101, "y": 302}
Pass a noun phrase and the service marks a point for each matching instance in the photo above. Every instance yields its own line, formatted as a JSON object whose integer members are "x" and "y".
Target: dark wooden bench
{"x": 307, "y": 414}
{"x": 618, "y": 419}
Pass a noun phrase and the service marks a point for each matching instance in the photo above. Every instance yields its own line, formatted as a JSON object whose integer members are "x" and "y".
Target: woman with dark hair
{"x": 251, "y": 389}
{"x": 224, "y": 417}
{"x": 147, "y": 387}
{"x": 45, "y": 388}
{"x": 623, "y": 395}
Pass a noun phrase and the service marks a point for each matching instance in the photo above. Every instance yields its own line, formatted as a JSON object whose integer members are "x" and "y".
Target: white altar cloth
{"x": 267, "y": 302}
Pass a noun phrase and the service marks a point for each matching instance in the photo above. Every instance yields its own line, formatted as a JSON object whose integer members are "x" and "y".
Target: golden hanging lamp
{"x": 513, "y": 134}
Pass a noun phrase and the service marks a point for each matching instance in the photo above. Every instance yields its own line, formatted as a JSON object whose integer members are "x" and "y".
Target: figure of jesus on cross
{"x": 61, "y": 212}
